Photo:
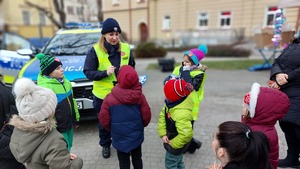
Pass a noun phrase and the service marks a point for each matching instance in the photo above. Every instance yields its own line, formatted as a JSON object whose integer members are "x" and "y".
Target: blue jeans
{"x": 174, "y": 161}
{"x": 104, "y": 135}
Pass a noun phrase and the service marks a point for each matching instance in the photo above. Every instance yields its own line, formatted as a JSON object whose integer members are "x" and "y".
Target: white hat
{"x": 34, "y": 103}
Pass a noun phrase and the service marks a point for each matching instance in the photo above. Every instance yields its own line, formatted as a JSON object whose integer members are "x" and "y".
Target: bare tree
{"x": 59, "y": 8}
{"x": 100, "y": 11}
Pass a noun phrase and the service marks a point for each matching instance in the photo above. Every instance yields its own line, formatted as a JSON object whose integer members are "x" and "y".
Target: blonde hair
{"x": 101, "y": 44}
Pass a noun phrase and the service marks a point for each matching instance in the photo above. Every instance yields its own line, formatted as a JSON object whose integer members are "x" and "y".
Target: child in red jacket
{"x": 262, "y": 108}
{"x": 125, "y": 112}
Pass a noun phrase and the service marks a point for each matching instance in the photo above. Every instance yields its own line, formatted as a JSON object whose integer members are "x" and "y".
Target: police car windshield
{"x": 71, "y": 44}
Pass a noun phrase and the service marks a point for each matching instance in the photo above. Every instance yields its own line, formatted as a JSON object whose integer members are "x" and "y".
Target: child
{"x": 52, "y": 77}
{"x": 125, "y": 112}
{"x": 236, "y": 146}
{"x": 35, "y": 141}
{"x": 175, "y": 122}
{"x": 192, "y": 71}
{"x": 262, "y": 108}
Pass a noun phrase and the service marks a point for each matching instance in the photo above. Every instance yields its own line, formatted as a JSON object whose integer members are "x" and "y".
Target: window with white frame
{"x": 225, "y": 19}
{"x": 202, "y": 20}
{"x": 115, "y": 2}
{"x": 166, "y": 23}
{"x": 270, "y": 15}
{"x": 26, "y": 17}
{"x": 42, "y": 18}
{"x": 79, "y": 10}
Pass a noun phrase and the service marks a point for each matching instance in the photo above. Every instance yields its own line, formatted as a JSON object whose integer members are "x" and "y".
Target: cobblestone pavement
{"x": 224, "y": 92}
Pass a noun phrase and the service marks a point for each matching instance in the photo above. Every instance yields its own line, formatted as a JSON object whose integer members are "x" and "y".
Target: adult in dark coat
{"x": 7, "y": 108}
{"x": 286, "y": 73}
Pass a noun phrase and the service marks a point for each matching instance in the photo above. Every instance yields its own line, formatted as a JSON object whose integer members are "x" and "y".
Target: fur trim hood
{"x": 41, "y": 127}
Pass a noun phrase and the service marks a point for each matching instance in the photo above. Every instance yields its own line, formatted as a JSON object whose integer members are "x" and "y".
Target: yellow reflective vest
{"x": 196, "y": 95}
{"x": 104, "y": 86}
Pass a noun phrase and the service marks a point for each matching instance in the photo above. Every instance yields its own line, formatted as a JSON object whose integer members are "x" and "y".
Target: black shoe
{"x": 195, "y": 144}
{"x": 285, "y": 163}
{"x": 106, "y": 152}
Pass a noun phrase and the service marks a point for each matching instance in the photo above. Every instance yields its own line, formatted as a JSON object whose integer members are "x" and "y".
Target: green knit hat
{"x": 48, "y": 63}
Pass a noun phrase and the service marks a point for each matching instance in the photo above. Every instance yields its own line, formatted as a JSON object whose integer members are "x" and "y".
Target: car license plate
{"x": 79, "y": 105}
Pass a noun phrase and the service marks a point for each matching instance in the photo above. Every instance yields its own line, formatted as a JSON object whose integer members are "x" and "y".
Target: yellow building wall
{"x": 14, "y": 18}
{"x": 247, "y": 15}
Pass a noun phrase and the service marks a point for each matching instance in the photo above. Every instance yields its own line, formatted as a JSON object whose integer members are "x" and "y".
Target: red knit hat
{"x": 176, "y": 89}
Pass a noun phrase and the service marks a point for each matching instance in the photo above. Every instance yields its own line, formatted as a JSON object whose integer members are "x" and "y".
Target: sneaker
{"x": 285, "y": 163}
{"x": 106, "y": 152}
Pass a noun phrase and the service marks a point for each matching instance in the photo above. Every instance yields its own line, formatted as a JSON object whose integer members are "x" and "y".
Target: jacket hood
{"x": 128, "y": 77}
{"x": 31, "y": 134}
{"x": 129, "y": 89}
{"x": 270, "y": 105}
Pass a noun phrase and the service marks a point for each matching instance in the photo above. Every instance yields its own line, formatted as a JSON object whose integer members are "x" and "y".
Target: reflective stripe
{"x": 25, "y": 67}
{"x": 8, "y": 79}
{"x": 104, "y": 86}
{"x": 74, "y": 31}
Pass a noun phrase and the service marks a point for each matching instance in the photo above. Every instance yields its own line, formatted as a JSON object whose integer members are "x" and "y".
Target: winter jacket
{"x": 289, "y": 62}
{"x": 125, "y": 112}
{"x": 7, "y": 160}
{"x": 66, "y": 112}
{"x": 6, "y": 101}
{"x": 181, "y": 114}
{"x": 197, "y": 78}
{"x": 40, "y": 145}
{"x": 271, "y": 105}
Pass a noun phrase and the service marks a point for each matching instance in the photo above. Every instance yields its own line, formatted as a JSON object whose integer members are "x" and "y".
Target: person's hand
{"x": 273, "y": 84}
{"x": 72, "y": 156}
{"x": 214, "y": 166}
{"x": 110, "y": 70}
{"x": 165, "y": 139}
{"x": 281, "y": 79}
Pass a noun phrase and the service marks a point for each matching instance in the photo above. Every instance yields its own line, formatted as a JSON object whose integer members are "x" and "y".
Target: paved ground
{"x": 224, "y": 92}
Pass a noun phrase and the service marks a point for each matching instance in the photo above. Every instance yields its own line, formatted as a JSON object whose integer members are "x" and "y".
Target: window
{"x": 26, "y": 17}
{"x": 79, "y": 10}
{"x": 42, "y": 18}
{"x": 202, "y": 20}
{"x": 140, "y": 1}
{"x": 115, "y": 2}
{"x": 166, "y": 23}
{"x": 70, "y": 10}
{"x": 271, "y": 14}
{"x": 225, "y": 19}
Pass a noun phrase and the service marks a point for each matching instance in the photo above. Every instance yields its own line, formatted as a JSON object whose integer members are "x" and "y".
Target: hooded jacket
{"x": 271, "y": 105}
{"x": 125, "y": 111}
{"x": 40, "y": 145}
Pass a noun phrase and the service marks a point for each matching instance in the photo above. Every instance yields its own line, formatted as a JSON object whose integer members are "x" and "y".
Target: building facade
{"x": 194, "y": 21}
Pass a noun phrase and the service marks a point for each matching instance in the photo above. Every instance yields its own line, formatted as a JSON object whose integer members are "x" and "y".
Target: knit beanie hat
{"x": 33, "y": 102}
{"x": 197, "y": 54}
{"x": 176, "y": 89}
{"x": 110, "y": 25}
{"x": 48, "y": 63}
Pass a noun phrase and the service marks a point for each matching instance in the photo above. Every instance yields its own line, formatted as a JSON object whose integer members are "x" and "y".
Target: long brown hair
{"x": 101, "y": 44}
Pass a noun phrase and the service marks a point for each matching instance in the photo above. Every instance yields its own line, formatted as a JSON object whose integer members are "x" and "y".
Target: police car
{"x": 70, "y": 45}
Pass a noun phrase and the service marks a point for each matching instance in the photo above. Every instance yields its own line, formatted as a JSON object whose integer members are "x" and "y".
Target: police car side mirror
{"x": 25, "y": 52}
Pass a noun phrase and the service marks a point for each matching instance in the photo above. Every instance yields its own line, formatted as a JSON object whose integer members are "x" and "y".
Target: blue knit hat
{"x": 110, "y": 25}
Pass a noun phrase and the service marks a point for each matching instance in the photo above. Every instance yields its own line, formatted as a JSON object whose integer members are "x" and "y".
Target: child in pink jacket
{"x": 262, "y": 108}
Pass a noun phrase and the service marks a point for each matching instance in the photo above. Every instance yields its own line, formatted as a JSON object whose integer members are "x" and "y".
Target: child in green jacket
{"x": 52, "y": 77}
{"x": 175, "y": 122}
